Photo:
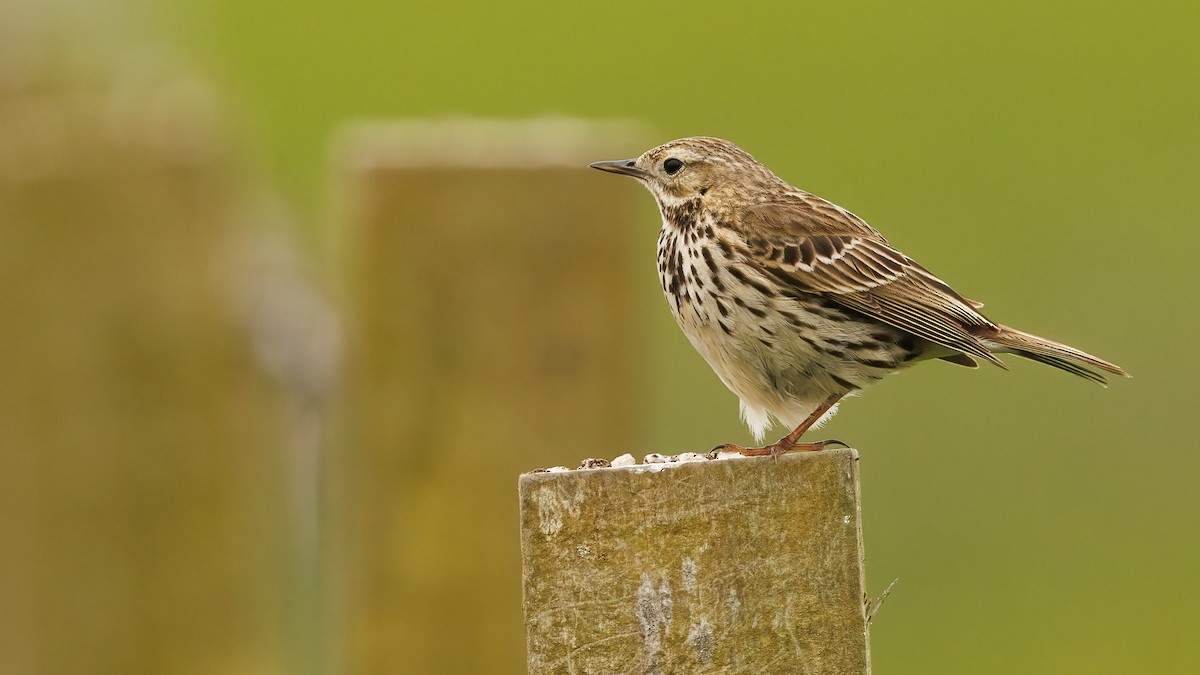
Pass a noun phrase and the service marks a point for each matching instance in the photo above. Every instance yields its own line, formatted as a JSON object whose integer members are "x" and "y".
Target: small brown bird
{"x": 794, "y": 301}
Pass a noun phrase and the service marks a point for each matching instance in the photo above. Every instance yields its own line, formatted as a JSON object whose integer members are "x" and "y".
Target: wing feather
{"x": 844, "y": 259}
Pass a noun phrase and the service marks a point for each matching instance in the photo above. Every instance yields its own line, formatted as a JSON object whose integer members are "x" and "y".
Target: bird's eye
{"x": 672, "y": 166}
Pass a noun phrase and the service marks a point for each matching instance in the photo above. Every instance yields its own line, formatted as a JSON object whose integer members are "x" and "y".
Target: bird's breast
{"x": 757, "y": 335}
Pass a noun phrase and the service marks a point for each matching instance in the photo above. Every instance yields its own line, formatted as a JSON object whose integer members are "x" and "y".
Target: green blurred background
{"x": 1041, "y": 157}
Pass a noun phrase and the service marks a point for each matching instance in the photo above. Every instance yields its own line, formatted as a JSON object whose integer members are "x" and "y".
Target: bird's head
{"x": 696, "y": 167}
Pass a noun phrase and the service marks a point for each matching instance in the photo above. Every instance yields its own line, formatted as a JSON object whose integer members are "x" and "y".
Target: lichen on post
{"x": 738, "y": 565}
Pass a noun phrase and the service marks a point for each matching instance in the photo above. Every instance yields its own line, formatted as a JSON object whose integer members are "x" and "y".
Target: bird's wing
{"x": 847, "y": 264}
{"x": 809, "y": 214}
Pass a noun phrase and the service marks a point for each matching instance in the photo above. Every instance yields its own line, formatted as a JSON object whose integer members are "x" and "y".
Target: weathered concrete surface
{"x": 722, "y": 566}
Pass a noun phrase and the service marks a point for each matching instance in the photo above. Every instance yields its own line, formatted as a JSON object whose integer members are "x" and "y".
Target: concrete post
{"x": 713, "y": 566}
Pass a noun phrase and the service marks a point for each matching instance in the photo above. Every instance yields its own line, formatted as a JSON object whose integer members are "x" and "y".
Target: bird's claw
{"x": 724, "y": 447}
{"x": 775, "y": 449}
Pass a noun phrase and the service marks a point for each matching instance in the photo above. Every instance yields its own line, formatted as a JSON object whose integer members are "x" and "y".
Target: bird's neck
{"x": 681, "y": 215}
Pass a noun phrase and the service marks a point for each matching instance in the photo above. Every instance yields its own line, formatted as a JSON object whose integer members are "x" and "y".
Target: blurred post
{"x": 723, "y": 566}
{"x": 490, "y": 330}
{"x": 141, "y": 444}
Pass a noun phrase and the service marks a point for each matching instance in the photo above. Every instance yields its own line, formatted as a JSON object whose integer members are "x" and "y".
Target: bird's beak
{"x": 627, "y": 167}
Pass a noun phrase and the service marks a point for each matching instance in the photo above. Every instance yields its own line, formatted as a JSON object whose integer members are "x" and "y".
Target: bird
{"x": 795, "y": 302}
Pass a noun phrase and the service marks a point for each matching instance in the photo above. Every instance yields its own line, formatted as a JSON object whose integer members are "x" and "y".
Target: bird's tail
{"x": 1034, "y": 348}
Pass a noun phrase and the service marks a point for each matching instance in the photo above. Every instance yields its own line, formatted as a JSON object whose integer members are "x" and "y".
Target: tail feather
{"x": 1051, "y": 353}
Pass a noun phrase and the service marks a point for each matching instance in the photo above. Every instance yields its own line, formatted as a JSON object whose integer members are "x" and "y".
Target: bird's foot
{"x": 776, "y": 449}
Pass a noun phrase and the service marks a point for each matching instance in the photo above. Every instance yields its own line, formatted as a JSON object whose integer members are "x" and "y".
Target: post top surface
{"x": 655, "y": 463}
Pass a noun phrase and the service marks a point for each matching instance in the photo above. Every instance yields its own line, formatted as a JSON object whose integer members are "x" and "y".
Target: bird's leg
{"x": 790, "y": 443}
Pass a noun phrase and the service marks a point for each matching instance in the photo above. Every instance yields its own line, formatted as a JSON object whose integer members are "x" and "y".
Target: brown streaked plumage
{"x": 796, "y": 302}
